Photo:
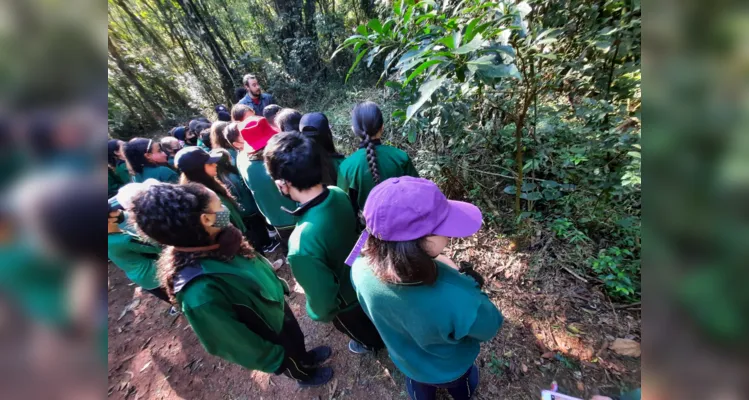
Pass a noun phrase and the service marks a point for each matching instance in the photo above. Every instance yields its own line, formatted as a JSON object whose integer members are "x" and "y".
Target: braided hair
{"x": 366, "y": 121}
{"x": 170, "y": 215}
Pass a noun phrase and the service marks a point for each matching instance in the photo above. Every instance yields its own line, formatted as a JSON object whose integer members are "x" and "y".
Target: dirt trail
{"x": 556, "y": 328}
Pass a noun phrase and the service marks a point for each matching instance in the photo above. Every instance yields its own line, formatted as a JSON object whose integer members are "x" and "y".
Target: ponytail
{"x": 367, "y": 122}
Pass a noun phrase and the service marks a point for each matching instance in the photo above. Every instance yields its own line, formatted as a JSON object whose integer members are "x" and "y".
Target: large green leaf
{"x": 450, "y": 41}
{"x": 426, "y": 90}
{"x": 420, "y": 69}
{"x": 408, "y": 15}
{"x": 375, "y": 25}
{"x": 471, "y": 46}
{"x": 362, "y": 30}
{"x": 471, "y": 30}
{"x": 356, "y": 62}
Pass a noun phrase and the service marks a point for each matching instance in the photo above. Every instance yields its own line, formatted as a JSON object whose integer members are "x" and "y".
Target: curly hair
{"x": 170, "y": 215}
{"x": 218, "y": 141}
{"x": 367, "y": 121}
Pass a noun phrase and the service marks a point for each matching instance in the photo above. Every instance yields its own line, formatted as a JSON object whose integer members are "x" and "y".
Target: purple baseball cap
{"x": 407, "y": 208}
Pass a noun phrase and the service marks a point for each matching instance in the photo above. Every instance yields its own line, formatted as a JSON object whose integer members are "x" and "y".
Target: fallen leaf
{"x": 548, "y": 354}
{"x": 148, "y": 364}
{"x": 335, "y": 386}
{"x": 524, "y": 368}
{"x": 580, "y": 386}
{"x": 572, "y": 328}
{"x": 493, "y": 389}
{"x": 129, "y": 307}
{"x": 626, "y": 347}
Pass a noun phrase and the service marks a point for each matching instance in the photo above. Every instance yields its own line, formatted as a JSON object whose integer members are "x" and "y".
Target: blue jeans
{"x": 460, "y": 389}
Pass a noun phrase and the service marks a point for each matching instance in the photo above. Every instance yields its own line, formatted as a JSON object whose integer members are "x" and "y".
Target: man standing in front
{"x": 255, "y": 97}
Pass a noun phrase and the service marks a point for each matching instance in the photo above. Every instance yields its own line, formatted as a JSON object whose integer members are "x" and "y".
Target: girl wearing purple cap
{"x": 431, "y": 316}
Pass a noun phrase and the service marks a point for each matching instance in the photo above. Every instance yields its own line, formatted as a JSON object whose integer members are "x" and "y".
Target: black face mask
{"x": 192, "y": 141}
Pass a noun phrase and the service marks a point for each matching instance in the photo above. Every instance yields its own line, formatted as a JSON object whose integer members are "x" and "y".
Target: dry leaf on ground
{"x": 626, "y": 347}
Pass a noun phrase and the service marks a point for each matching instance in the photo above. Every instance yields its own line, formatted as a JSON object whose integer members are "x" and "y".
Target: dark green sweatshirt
{"x": 135, "y": 257}
{"x": 355, "y": 178}
{"x": 269, "y": 200}
{"x": 217, "y": 303}
{"x": 318, "y": 247}
{"x": 160, "y": 173}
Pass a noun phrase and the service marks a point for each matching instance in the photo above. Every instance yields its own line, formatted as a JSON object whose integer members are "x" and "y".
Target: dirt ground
{"x": 558, "y": 327}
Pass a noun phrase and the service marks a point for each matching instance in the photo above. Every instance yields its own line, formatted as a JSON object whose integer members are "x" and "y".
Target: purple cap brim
{"x": 463, "y": 220}
{"x": 357, "y": 248}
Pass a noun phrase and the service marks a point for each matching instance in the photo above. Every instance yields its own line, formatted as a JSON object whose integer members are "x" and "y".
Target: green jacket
{"x": 242, "y": 193}
{"x": 235, "y": 215}
{"x": 432, "y": 332}
{"x": 222, "y": 300}
{"x": 356, "y": 180}
{"x": 135, "y": 257}
{"x": 318, "y": 247}
{"x": 267, "y": 197}
{"x": 160, "y": 173}
{"x": 117, "y": 178}
{"x": 123, "y": 173}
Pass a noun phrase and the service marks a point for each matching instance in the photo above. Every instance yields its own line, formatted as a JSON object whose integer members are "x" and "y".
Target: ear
{"x": 207, "y": 220}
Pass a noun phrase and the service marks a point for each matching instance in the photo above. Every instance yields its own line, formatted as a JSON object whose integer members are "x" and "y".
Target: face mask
{"x": 222, "y": 218}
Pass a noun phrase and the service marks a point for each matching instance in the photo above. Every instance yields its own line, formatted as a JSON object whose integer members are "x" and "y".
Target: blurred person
{"x": 145, "y": 159}
{"x": 239, "y": 93}
{"x": 235, "y": 141}
{"x": 316, "y": 127}
{"x": 218, "y": 140}
{"x": 222, "y": 113}
{"x": 179, "y": 133}
{"x": 117, "y": 174}
{"x": 373, "y": 162}
{"x": 256, "y": 132}
{"x": 194, "y": 127}
{"x": 240, "y": 111}
{"x": 199, "y": 166}
{"x": 287, "y": 120}
{"x": 401, "y": 279}
{"x": 324, "y": 235}
{"x": 204, "y": 139}
{"x": 171, "y": 145}
{"x": 229, "y": 294}
{"x": 253, "y": 219}
{"x": 255, "y": 97}
{"x": 269, "y": 113}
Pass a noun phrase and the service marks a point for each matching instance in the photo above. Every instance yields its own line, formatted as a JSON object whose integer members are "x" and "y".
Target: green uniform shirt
{"x": 432, "y": 332}
{"x": 210, "y": 302}
{"x": 234, "y": 214}
{"x": 354, "y": 171}
{"x": 243, "y": 195}
{"x": 123, "y": 173}
{"x": 267, "y": 197}
{"x": 160, "y": 173}
{"x": 135, "y": 257}
{"x": 318, "y": 247}
{"x": 113, "y": 183}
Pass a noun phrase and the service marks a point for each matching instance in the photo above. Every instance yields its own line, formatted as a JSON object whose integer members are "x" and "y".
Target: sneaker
{"x": 357, "y": 348}
{"x": 272, "y": 246}
{"x": 318, "y": 355}
{"x": 322, "y": 376}
{"x": 173, "y": 311}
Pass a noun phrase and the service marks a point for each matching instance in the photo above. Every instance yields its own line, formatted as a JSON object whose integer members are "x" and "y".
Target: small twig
{"x": 574, "y": 274}
{"x": 613, "y": 310}
{"x": 621, "y": 306}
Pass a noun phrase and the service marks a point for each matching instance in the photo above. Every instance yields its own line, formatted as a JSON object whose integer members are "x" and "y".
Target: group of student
{"x": 362, "y": 234}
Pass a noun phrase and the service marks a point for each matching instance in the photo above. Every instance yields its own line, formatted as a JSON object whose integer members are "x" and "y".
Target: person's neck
{"x": 309, "y": 194}
{"x": 254, "y": 96}
{"x": 113, "y": 229}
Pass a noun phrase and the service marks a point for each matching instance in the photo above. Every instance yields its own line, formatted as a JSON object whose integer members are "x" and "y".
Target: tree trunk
{"x": 155, "y": 112}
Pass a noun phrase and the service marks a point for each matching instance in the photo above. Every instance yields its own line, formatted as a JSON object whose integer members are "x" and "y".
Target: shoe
{"x": 272, "y": 246}
{"x": 173, "y": 311}
{"x": 322, "y": 376}
{"x": 318, "y": 355}
{"x": 357, "y": 348}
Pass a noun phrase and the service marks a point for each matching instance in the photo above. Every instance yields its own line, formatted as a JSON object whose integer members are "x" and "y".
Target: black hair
{"x": 239, "y": 93}
{"x": 113, "y": 146}
{"x": 170, "y": 215}
{"x": 366, "y": 120}
{"x": 400, "y": 262}
{"x": 323, "y": 137}
{"x": 287, "y": 120}
{"x": 224, "y": 165}
{"x": 218, "y": 141}
{"x": 270, "y": 111}
{"x": 135, "y": 154}
{"x": 238, "y": 112}
{"x": 198, "y": 175}
{"x": 294, "y": 158}
{"x": 205, "y": 137}
{"x": 231, "y": 133}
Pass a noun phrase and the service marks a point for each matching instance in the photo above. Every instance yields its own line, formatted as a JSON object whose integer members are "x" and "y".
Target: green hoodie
{"x": 432, "y": 332}
{"x": 135, "y": 257}
{"x": 318, "y": 247}
{"x": 354, "y": 174}
{"x": 269, "y": 200}
{"x": 215, "y": 296}
{"x": 159, "y": 172}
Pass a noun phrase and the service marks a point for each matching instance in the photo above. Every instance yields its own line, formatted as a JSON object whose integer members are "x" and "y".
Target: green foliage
{"x": 563, "y": 228}
{"x": 498, "y": 365}
{"x": 619, "y": 272}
